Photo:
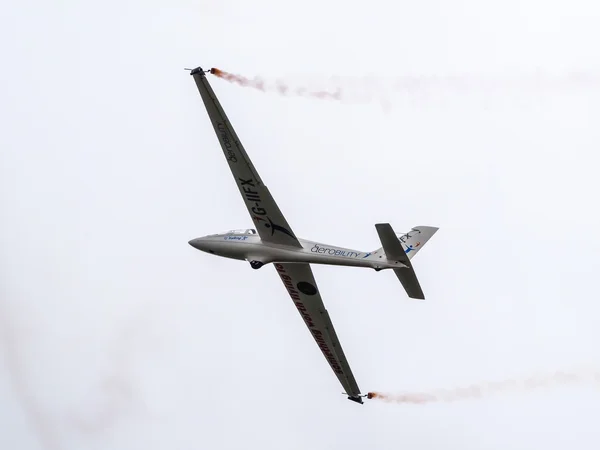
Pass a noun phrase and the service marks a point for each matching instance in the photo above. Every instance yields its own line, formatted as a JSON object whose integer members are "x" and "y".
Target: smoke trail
{"x": 116, "y": 395}
{"x": 279, "y": 87}
{"x": 359, "y": 90}
{"x": 10, "y": 342}
{"x": 488, "y": 388}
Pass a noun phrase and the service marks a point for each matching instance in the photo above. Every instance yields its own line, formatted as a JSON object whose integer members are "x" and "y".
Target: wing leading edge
{"x": 270, "y": 223}
{"x": 300, "y": 283}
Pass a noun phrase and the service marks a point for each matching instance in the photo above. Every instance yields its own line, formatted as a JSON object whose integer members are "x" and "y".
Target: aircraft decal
{"x": 253, "y": 196}
{"x": 274, "y": 227}
{"x": 411, "y": 249}
{"x": 408, "y": 235}
{"x": 308, "y": 289}
{"x": 235, "y": 238}
{"x": 334, "y": 251}
{"x": 223, "y": 135}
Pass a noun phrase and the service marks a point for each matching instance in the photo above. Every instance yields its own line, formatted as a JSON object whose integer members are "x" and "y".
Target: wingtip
{"x": 357, "y": 400}
{"x": 197, "y": 70}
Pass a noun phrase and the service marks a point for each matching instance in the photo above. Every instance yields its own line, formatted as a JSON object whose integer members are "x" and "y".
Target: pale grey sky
{"x": 116, "y": 334}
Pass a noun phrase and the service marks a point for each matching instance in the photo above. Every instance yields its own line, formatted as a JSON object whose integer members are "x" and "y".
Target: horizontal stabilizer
{"x": 394, "y": 251}
{"x": 409, "y": 281}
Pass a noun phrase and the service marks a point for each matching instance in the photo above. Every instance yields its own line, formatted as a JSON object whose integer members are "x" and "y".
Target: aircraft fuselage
{"x": 251, "y": 248}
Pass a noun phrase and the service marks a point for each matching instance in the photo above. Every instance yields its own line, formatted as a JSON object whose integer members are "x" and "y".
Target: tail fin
{"x": 399, "y": 248}
{"x": 415, "y": 239}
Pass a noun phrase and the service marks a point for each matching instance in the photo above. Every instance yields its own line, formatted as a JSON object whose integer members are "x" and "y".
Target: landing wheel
{"x": 256, "y": 264}
{"x": 377, "y": 269}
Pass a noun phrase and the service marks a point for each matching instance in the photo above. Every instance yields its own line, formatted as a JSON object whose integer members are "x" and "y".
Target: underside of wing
{"x": 270, "y": 223}
{"x": 300, "y": 283}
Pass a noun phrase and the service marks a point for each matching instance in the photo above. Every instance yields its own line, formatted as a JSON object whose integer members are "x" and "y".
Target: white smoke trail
{"x": 113, "y": 396}
{"x": 424, "y": 89}
{"x": 116, "y": 396}
{"x": 489, "y": 388}
{"x": 11, "y": 341}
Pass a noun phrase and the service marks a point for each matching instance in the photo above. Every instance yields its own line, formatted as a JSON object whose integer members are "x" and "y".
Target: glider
{"x": 273, "y": 241}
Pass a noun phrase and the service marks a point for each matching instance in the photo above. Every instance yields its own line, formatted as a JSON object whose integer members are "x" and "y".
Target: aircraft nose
{"x": 197, "y": 243}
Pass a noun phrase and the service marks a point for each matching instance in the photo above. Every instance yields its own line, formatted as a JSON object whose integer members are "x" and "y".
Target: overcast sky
{"x": 116, "y": 334}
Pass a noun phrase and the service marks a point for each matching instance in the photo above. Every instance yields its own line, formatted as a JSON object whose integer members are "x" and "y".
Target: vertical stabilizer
{"x": 415, "y": 239}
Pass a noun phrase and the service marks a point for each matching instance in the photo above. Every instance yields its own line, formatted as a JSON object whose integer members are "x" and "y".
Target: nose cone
{"x": 197, "y": 244}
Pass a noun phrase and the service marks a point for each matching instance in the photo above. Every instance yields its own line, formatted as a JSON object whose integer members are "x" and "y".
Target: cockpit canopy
{"x": 238, "y": 232}
{"x": 242, "y": 231}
